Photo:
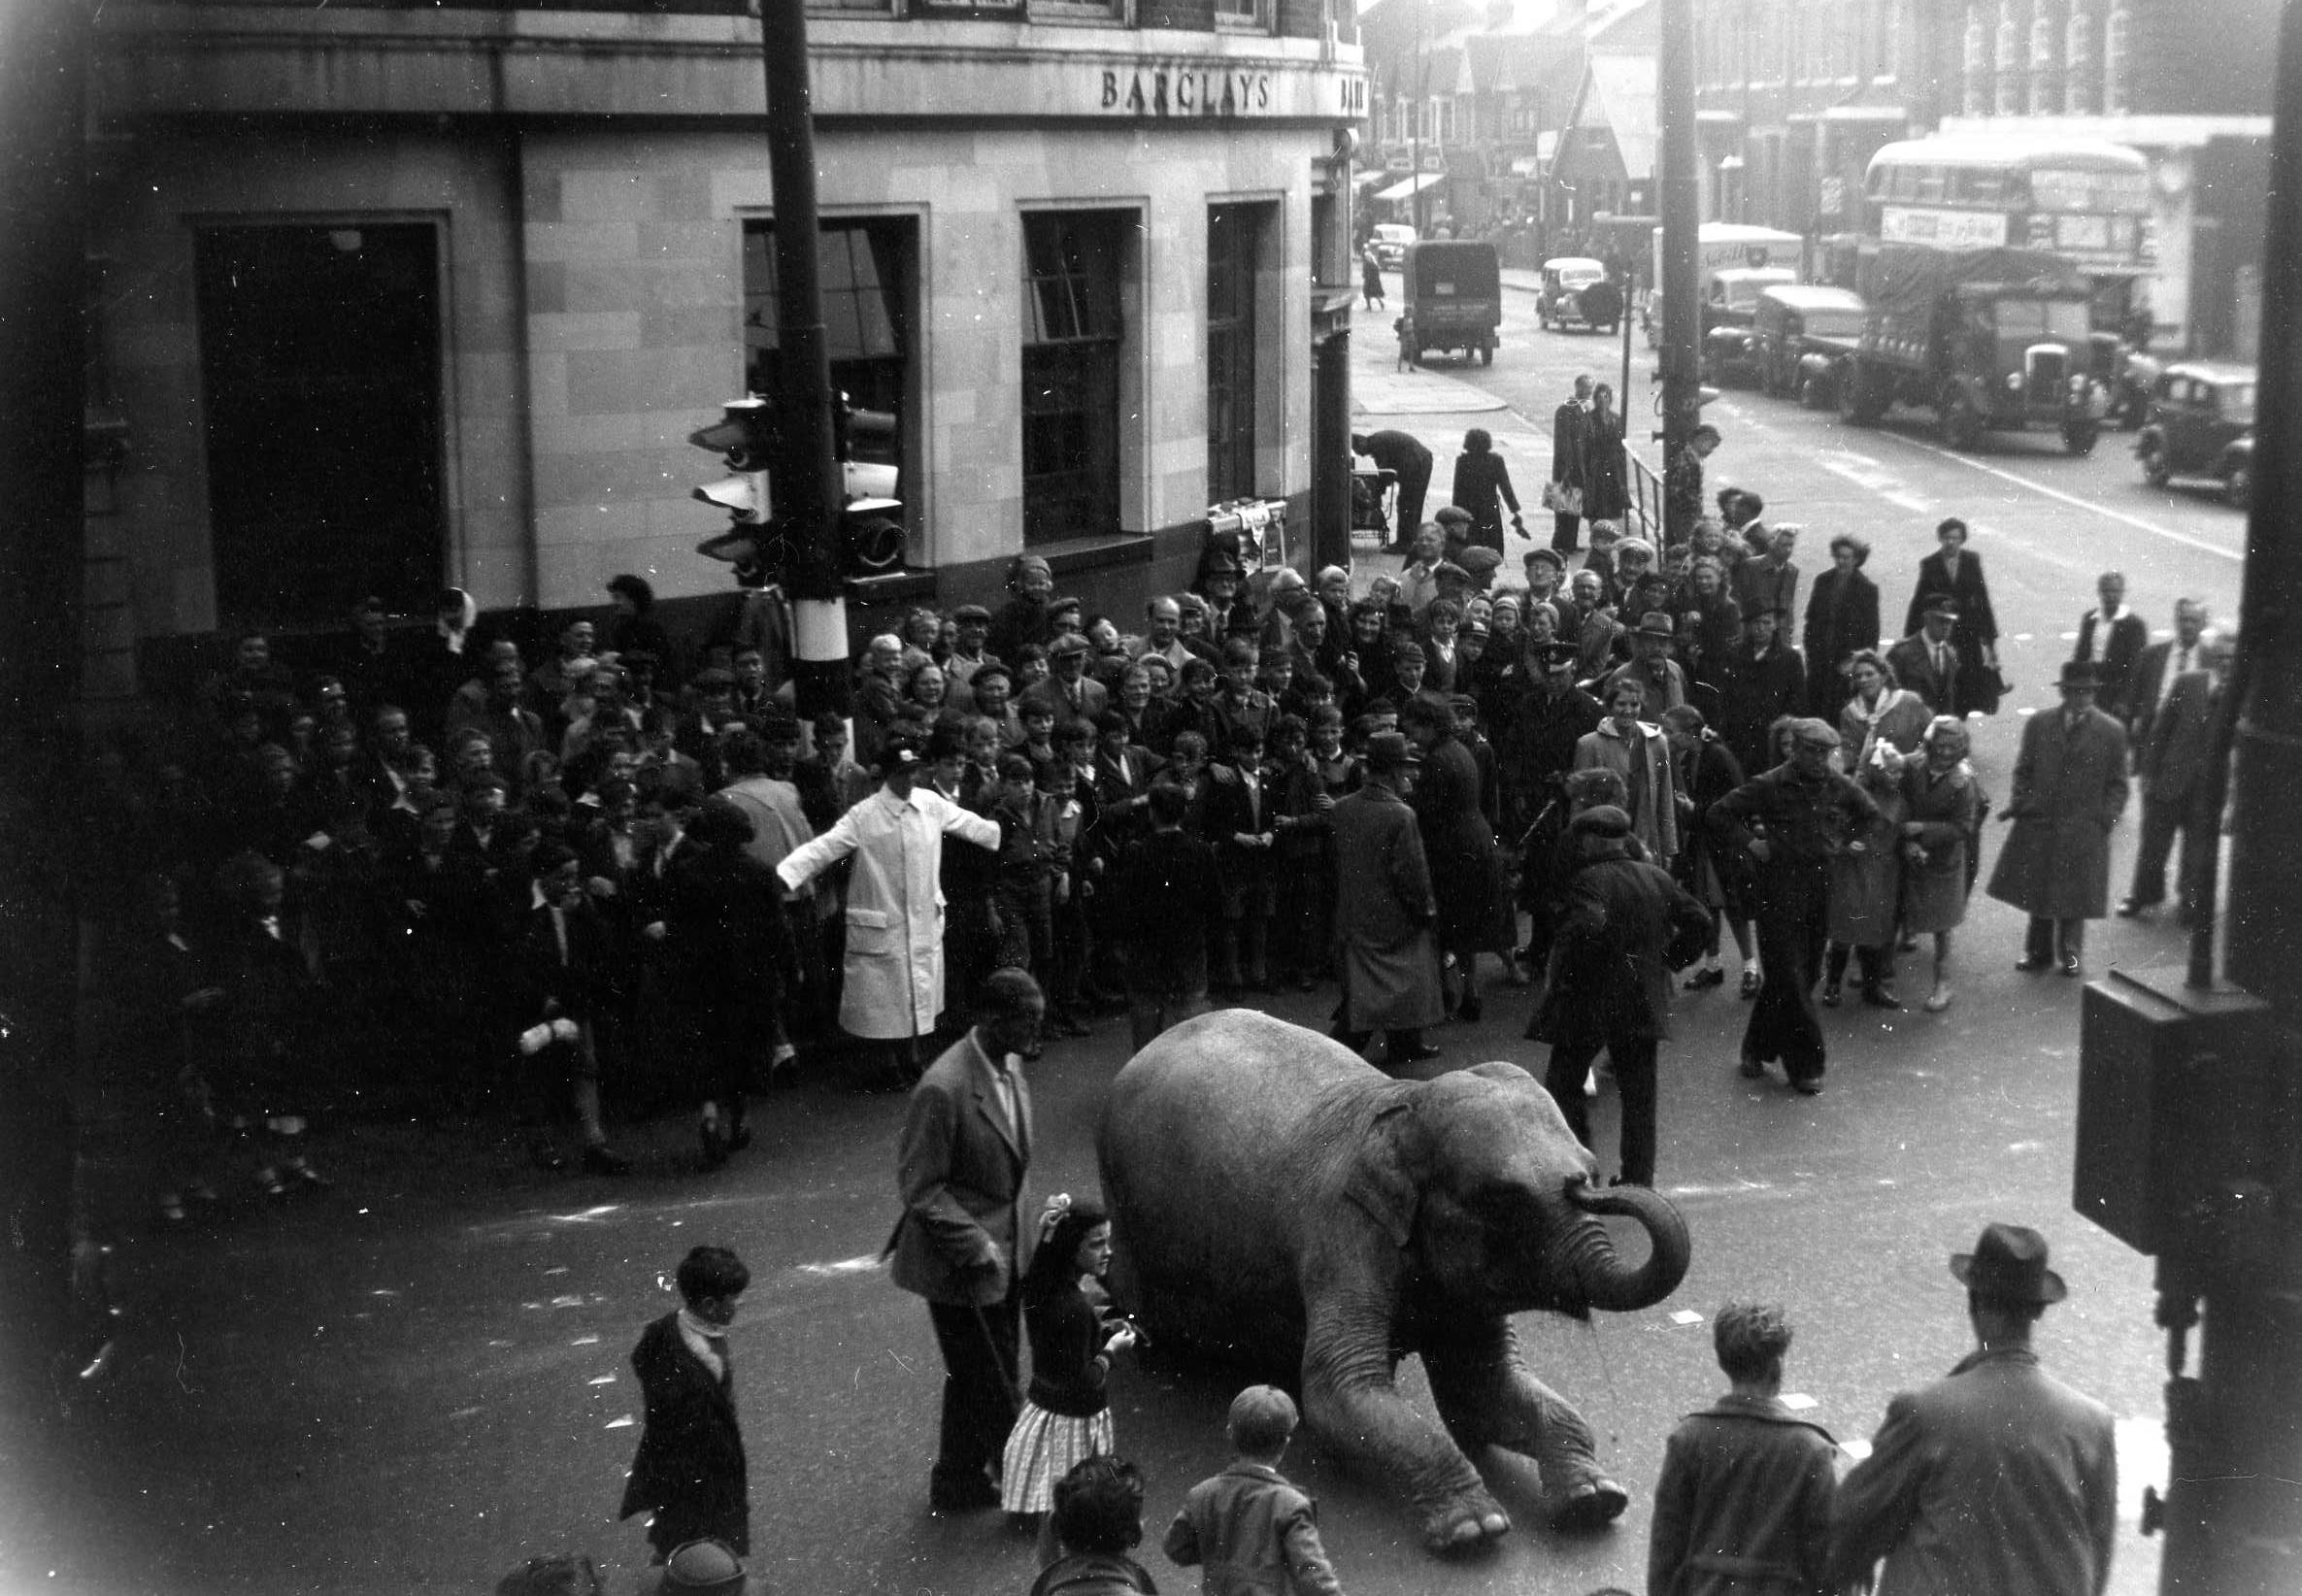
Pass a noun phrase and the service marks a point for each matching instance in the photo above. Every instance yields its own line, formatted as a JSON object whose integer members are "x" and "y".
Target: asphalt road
{"x": 417, "y": 1380}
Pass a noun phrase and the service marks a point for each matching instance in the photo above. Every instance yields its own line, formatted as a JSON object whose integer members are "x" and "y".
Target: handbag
{"x": 1562, "y": 499}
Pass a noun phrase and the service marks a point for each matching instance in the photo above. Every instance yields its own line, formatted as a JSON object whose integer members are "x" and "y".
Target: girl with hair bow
{"x": 1067, "y": 1415}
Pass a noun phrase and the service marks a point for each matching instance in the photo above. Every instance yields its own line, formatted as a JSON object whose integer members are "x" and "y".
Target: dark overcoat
{"x": 1977, "y": 628}
{"x": 1842, "y": 617}
{"x": 2069, "y": 789}
{"x": 1458, "y": 842}
{"x": 1608, "y": 980}
{"x": 690, "y": 1468}
{"x": 1384, "y": 909}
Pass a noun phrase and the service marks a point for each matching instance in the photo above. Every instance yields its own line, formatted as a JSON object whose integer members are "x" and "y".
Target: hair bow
{"x": 1052, "y": 1215}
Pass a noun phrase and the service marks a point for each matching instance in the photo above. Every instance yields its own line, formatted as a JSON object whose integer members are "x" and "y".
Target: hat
{"x": 971, "y": 611}
{"x": 1479, "y": 561}
{"x": 2080, "y": 673}
{"x": 1387, "y": 752}
{"x": 704, "y": 1566}
{"x": 714, "y": 678}
{"x": 722, "y": 823}
{"x": 1462, "y": 701}
{"x": 1473, "y": 626}
{"x": 1033, "y": 562}
{"x": 900, "y": 750}
{"x": 1606, "y": 820}
{"x": 1403, "y": 645}
{"x": 1218, "y": 562}
{"x": 1942, "y": 604}
{"x": 1558, "y": 653}
{"x": 1655, "y": 623}
{"x": 1556, "y": 561}
{"x": 2009, "y": 1264}
{"x": 1449, "y": 570}
{"x": 1070, "y": 643}
{"x": 1810, "y": 729}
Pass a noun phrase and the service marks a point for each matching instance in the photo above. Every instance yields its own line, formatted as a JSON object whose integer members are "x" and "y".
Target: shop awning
{"x": 1411, "y": 186}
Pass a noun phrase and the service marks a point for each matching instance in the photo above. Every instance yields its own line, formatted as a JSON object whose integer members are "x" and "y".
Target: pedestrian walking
{"x": 2175, "y": 764}
{"x": 1384, "y": 913}
{"x": 1926, "y": 662}
{"x": 688, "y": 1472}
{"x": 1637, "y": 750}
{"x": 1606, "y": 482}
{"x": 1792, "y": 821}
{"x": 1842, "y": 617}
{"x": 1743, "y": 1505}
{"x": 1609, "y": 981}
{"x": 1371, "y": 277}
{"x": 961, "y": 1162}
{"x": 2157, "y": 668}
{"x": 2113, "y": 635}
{"x": 1483, "y": 489}
{"x": 1066, "y": 1416}
{"x": 1458, "y": 845}
{"x": 1866, "y": 888}
{"x": 1253, "y": 1532}
{"x": 1954, "y": 569}
{"x": 1942, "y": 831}
{"x": 893, "y": 986}
{"x": 2069, "y": 789}
{"x": 1705, "y": 771}
{"x": 1570, "y": 465}
{"x": 1880, "y": 712}
{"x": 1998, "y": 1478}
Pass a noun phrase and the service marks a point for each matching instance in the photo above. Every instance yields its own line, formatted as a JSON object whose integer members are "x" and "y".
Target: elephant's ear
{"x": 1378, "y": 1183}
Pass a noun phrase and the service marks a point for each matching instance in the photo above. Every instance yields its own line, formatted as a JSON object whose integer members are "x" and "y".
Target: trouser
{"x": 1876, "y": 963}
{"x": 1784, "y": 1022}
{"x": 979, "y": 1345}
{"x": 1566, "y": 533}
{"x": 2161, "y": 823}
{"x": 1165, "y": 991}
{"x": 1413, "y": 488}
{"x": 1243, "y": 950}
{"x": 1634, "y": 1078}
{"x": 2043, "y": 938}
{"x": 1409, "y": 1041}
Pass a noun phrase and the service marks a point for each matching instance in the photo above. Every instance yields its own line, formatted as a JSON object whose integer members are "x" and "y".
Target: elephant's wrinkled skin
{"x": 1276, "y": 1200}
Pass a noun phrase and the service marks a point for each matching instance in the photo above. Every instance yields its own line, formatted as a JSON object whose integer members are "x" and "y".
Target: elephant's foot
{"x": 1464, "y": 1521}
{"x": 1591, "y": 1505}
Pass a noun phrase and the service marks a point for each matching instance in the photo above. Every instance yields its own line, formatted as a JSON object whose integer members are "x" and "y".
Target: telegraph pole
{"x": 1681, "y": 216}
{"x": 808, "y": 476}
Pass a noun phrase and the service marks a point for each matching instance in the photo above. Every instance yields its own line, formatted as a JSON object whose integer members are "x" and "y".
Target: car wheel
{"x": 2151, "y": 451}
{"x": 1814, "y": 394}
{"x": 2079, "y": 437}
{"x": 2239, "y": 486}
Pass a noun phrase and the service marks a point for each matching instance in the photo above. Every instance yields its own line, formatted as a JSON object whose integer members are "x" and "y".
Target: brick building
{"x": 397, "y": 297}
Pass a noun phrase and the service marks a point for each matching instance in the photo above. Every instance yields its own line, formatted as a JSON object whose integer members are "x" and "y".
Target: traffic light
{"x": 744, "y": 435}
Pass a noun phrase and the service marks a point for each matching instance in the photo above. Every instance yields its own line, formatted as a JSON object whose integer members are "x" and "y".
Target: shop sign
{"x": 1180, "y": 89}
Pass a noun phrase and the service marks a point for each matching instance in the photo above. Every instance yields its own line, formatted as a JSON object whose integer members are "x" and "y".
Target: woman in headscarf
{"x": 1881, "y": 711}
{"x": 1941, "y": 835}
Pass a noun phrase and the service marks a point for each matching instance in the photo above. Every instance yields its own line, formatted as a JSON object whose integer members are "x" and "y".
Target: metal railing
{"x": 1646, "y": 501}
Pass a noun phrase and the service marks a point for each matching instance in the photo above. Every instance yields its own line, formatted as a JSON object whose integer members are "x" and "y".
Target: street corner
{"x": 1417, "y": 393}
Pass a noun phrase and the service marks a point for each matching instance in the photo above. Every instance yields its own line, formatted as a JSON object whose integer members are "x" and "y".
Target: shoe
{"x": 1411, "y": 1055}
{"x": 269, "y": 1182}
{"x": 1831, "y": 991}
{"x": 601, "y": 1159}
{"x": 1468, "y": 1011}
{"x": 1879, "y": 995}
{"x": 1751, "y": 1068}
{"x": 2133, "y": 908}
{"x": 172, "y": 1208}
{"x": 1751, "y": 982}
{"x": 1938, "y": 1000}
{"x": 2070, "y": 967}
{"x": 1712, "y": 976}
{"x": 1810, "y": 1086}
{"x": 2032, "y": 963}
{"x": 1593, "y": 1506}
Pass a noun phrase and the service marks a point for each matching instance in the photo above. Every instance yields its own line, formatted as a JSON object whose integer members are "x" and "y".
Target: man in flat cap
{"x": 2069, "y": 790}
{"x": 1384, "y": 911}
{"x": 1998, "y": 1478}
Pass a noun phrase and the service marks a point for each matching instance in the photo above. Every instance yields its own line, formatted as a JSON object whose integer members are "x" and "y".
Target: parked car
{"x": 1391, "y": 239}
{"x": 1731, "y": 345}
{"x": 1455, "y": 291}
{"x": 2201, "y": 425}
{"x": 1801, "y": 335}
{"x": 1560, "y": 304}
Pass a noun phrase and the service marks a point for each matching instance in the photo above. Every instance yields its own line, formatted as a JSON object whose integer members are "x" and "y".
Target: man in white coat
{"x": 893, "y": 990}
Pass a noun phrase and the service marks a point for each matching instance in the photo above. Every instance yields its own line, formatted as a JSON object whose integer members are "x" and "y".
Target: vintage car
{"x": 1391, "y": 239}
{"x": 1729, "y": 303}
{"x": 1801, "y": 334}
{"x": 2201, "y": 425}
{"x": 1565, "y": 279}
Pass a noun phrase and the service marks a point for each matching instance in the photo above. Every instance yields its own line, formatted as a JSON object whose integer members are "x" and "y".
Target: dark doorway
{"x": 320, "y": 355}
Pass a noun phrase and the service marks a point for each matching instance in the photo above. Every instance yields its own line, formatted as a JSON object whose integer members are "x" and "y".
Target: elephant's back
{"x": 1233, "y": 1090}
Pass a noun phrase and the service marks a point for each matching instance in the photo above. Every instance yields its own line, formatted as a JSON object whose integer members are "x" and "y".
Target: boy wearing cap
{"x": 1253, "y": 1532}
{"x": 1998, "y": 1478}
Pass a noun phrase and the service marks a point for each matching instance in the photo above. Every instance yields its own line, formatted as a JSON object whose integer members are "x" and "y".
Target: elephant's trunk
{"x": 1588, "y": 1253}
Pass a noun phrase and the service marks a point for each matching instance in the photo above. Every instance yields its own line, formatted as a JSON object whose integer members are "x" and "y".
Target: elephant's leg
{"x": 1352, "y": 1402}
{"x": 1487, "y": 1394}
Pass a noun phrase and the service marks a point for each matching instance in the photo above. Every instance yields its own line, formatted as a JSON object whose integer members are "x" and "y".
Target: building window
{"x": 1072, "y": 262}
{"x": 1235, "y": 238}
{"x": 867, "y": 267}
{"x": 1245, "y": 15}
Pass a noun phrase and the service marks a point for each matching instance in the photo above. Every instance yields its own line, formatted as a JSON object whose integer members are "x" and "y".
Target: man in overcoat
{"x": 688, "y": 1471}
{"x": 893, "y": 986}
{"x": 1570, "y": 429}
{"x": 1610, "y": 984}
{"x": 1383, "y": 911}
{"x": 1458, "y": 844}
{"x": 2175, "y": 763}
{"x": 2069, "y": 789}
{"x": 1998, "y": 1478}
{"x": 961, "y": 1162}
{"x": 1764, "y": 680}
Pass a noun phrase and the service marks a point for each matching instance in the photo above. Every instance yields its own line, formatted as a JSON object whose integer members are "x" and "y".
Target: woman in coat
{"x": 1882, "y": 711}
{"x": 1707, "y": 771}
{"x": 1606, "y": 492}
{"x": 1942, "y": 831}
{"x": 1640, "y": 754}
{"x": 1866, "y": 887}
{"x": 1483, "y": 486}
{"x": 1951, "y": 569}
{"x": 1842, "y": 617}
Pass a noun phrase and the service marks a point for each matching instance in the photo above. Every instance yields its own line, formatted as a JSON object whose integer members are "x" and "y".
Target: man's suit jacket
{"x": 2119, "y": 651}
{"x": 1570, "y": 425}
{"x": 689, "y": 1468}
{"x": 2151, "y": 669}
{"x": 1913, "y": 660}
{"x": 2178, "y": 745}
{"x": 579, "y": 978}
{"x": 1999, "y": 1479}
{"x": 960, "y": 1166}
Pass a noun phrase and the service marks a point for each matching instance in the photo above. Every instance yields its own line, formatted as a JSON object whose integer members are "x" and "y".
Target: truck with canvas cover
{"x": 1990, "y": 339}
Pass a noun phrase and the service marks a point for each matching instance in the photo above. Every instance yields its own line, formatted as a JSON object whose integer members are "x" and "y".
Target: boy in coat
{"x": 688, "y": 1471}
{"x": 1252, "y": 1531}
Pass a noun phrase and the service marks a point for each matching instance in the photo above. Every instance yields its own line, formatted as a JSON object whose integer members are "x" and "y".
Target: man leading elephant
{"x": 1275, "y": 1201}
{"x": 1384, "y": 913}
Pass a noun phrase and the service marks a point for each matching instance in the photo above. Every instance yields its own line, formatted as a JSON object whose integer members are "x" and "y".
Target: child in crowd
{"x": 1743, "y": 1501}
{"x": 1252, "y": 1498}
{"x": 1098, "y": 1520}
{"x": 1066, "y": 1416}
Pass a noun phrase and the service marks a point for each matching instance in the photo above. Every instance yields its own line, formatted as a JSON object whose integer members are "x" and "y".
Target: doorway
{"x": 321, "y": 367}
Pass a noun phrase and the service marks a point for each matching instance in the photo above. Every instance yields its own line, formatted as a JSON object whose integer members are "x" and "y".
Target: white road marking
{"x": 2234, "y": 555}
{"x": 623, "y": 1423}
{"x": 861, "y": 1263}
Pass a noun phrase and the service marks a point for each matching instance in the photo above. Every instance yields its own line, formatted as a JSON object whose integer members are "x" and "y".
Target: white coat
{"x": 894, "y": 965}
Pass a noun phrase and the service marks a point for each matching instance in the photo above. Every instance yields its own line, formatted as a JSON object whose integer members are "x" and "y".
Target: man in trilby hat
{"x": 1998, "y": 1478}
{"x": 2069, "y": 789}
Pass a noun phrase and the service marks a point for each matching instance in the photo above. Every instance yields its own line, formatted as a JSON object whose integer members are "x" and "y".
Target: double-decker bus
{"x": 2086, "y": 200}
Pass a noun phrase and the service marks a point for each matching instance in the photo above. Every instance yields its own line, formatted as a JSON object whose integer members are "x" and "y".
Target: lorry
{"x": 1987, "y": 339}
{"x": 1455, "y": 291}
{"x": 1733, "y": 248}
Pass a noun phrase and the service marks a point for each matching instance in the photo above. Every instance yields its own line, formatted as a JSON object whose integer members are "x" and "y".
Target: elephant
{"x": 1277, "y": 1201}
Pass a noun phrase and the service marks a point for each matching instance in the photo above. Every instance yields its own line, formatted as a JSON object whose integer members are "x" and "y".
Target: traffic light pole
{"x": 1681, "y": 216}
{"x": 808, "y": 475}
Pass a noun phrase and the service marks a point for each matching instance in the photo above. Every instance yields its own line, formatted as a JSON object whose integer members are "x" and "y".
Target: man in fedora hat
{"x": 1651, "y": 666}
{"x": 1384, "y": 911}
{"x": 2069, "y": 789}
{"x": 1998, "y": 1478}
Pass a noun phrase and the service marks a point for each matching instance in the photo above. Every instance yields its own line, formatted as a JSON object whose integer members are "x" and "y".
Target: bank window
{"x": 867, "y": 267}
{"x": 1071, "y": 333}
{"x": 857, "y": 8}
{"x": 1235, "y": 235}
{"x": 1245, "y": 14}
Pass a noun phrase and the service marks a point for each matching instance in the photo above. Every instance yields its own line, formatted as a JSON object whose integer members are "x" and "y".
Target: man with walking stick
{"x": 961, "y": 1162}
